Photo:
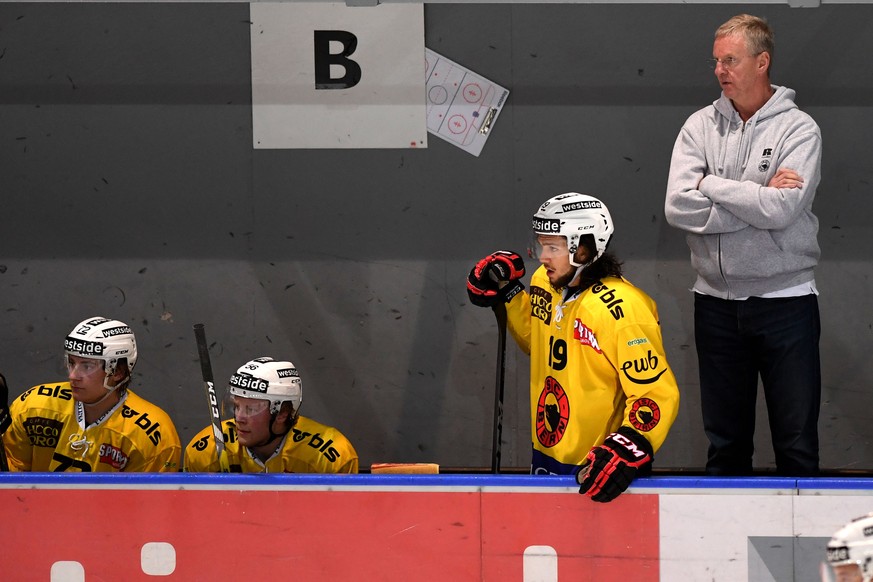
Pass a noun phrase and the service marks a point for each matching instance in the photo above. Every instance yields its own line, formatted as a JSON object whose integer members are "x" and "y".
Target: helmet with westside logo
{"x": 853, "y": 544}
{"x": 573, "y": 216}
{"x": 267, "y": 379}
{"x": 104, "y": 339}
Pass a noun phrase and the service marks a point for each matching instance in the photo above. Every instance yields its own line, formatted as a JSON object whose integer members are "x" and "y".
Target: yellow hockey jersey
{"x": 309, "y": 447}
{"x": 597, "y": 363}
{"x": 48, "y": 433}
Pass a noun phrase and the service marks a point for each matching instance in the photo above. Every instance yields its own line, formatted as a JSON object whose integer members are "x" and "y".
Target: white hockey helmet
{"x": 853, "y": 545}
{"x": 267, "y": 379}
{"x": 572, "y": 216}
{"x": 104, "y": 339}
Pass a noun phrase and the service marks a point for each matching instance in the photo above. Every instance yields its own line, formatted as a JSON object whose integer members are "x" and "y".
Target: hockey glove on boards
{"x": 610, "y": 468}
{"x": 484, "y": 282}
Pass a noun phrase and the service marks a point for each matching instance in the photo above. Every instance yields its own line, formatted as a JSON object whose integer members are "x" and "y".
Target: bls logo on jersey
{"x": 201, "y": 444}
{"x": 609, "y": 299}
{"x": 43, "y": 432}
{"x": 144, "y": 422}
{"x": 55, "y": 392}
{"x": 317, "y": 442}
{"x": 113, "y": 456}
{"x": 541, "y": 304}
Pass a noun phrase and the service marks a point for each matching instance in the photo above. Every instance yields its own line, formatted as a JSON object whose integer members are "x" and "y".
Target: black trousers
{"x": 736, "y": 342}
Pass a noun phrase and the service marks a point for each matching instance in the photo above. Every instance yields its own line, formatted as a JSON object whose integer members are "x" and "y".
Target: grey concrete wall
{"x": 130, "y": 189}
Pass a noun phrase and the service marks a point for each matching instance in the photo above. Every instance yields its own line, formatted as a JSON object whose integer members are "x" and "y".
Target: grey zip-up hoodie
{"x": 746, "y": 238}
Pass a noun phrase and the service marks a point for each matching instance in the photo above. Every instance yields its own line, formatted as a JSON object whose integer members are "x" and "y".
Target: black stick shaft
{"x": 500, "y": 313}
{"x": 209, "y": 385}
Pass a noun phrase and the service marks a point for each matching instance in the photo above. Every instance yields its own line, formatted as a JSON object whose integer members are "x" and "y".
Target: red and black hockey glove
{"x": 610, "y": 468}
{"x": 484, "y": 282}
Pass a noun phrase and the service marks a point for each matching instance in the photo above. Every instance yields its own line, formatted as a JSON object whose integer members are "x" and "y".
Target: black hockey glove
{"x": 610, "y": 468}
{"x": 484, "y": 282}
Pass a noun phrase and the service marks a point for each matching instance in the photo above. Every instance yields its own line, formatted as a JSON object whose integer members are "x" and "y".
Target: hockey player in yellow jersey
{"x": 603, "y": 396}
{"x": 267, "y": 433}
{"x": 94, "y": 421}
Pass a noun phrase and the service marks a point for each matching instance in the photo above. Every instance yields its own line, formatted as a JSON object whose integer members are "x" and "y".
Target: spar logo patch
{"x": 644, "y": 415}
{"x": 553, "y": 413}
{"x": 113, "y": 456}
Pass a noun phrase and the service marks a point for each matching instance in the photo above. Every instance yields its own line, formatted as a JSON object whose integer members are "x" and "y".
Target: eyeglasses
{"x": 728, "y": 63}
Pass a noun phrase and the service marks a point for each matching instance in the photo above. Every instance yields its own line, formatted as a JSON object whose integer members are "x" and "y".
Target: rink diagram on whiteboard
{"x": 462, "y": 106}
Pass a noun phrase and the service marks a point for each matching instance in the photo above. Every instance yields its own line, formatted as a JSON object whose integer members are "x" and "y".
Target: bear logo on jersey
{"x": 553, "y": 413}
{"x": 644, "y": 415}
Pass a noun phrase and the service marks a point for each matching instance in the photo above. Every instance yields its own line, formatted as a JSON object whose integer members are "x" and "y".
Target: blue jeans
{"x": 778, "y": 339}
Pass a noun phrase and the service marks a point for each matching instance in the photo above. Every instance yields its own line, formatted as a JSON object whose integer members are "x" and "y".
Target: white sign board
{"x": 326, "y": 75}
{"x": 462, "y": 107}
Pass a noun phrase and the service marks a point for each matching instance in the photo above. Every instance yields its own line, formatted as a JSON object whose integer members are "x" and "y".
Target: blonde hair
{"x": 756, "y": 31}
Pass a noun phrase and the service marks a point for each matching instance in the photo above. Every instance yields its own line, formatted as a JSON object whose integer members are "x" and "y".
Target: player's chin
{"x": 560, "y": 280}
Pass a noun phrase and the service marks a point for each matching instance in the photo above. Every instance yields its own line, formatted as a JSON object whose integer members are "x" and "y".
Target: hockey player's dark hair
{"x": 607, "y": 265}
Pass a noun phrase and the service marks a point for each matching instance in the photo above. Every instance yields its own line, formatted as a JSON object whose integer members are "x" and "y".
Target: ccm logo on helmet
{"x": 83, "y": 347}
{"x": 288, "y": 373}
{"x": 581, "y": 205}
{"x": 113, "y": 331}
{"x": 249, "y": 383}
{"x": 546, "y": 225}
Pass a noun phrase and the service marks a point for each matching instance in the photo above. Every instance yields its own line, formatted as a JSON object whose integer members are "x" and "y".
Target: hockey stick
{"x": 5, "y": 421}
{"x": 211, "y": 397}
{"x": 500, "y": 313}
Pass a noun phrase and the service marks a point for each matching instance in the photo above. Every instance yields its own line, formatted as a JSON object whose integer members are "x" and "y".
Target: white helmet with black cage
{"x": 572, "y": 216}
{"x": 268, "y": 379}
{"x": 101, "y": 338}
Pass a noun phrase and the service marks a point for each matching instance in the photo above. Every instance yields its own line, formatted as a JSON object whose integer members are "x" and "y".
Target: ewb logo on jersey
{"x": 642, "y": 370}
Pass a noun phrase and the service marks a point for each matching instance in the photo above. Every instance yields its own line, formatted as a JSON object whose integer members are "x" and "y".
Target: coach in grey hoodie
{"x": 743, "y": 177}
